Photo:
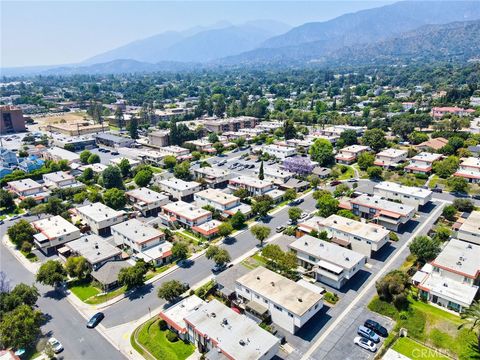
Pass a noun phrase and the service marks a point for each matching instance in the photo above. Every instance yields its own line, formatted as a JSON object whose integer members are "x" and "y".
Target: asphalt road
{"x": 64, "y": 322}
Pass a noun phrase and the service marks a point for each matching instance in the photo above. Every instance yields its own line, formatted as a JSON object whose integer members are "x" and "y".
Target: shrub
{"x": 449, "y": 212}
{"x": 401, "y": 302}
{"x": 421, "y": 176}
{"x": 331, "y": 297}
{"x": 171, "y": 336}
{"x": 415, "y": 324}
{"x": 383, "y": 308}
{"x": 162, "y": 324}
{"x": 393, "y": 236}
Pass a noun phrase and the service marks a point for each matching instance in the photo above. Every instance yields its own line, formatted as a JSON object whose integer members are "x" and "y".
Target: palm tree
{"x": 472, "y": 317}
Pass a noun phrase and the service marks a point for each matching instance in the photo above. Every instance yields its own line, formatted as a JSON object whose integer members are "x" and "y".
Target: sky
{"x": 65, "y": 32}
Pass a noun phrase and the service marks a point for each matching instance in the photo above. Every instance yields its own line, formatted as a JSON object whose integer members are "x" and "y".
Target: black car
{"x": 95, "y": 320}
{"x": 437, "y": 190}
{"x": 375, "y": 326}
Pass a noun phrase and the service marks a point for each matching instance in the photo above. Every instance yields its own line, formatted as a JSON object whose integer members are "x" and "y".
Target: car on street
{"x": 95, "y": 320}
{"x": 221, "y": 163}
{"x": 439, "y": 190}
{"x": 476, "y": 196}
{"x": 218, "y": 268}
{"x": 367, "y": 333}
{"x": 13, "y": 218}
{"x": 303, "y": 216}
{"x": 56, "y": 345}
{"x": 377, "y": 327}
{"x": 335, "y": 182}
{"x": 280, "y": 229}
{"x": 352, "y": 180}
{"x": 115, "y": 153}
{"x": 296, "y": 202}
{"x": 365, "y": 343}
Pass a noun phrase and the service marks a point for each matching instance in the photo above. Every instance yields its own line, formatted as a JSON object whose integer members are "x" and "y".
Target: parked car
{"x": 367, "y": 333}
{"x": 439, "y": 190}
{"x": 335, "y": 182}
{"x": 56, "y": 345}
{"x": 303, "y": 216}
{"x": 365, "y": 343}
{"x": 115, "y": 153}
{"x": 280, "y": 229}
{"x": 13, "y": 218}
{"x": 375, "y": 326}
{"x": 222, "y": 162}
{"x": 476, "y": 196}
{"x": 95, "y": 320}
{"x": 352, "y": 180}
{"x": 219, "y": 268}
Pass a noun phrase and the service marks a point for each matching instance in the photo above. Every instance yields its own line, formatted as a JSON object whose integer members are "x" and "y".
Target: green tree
{"x": 314, "y": 181}
{"x": 241, "y": 193}
{"x": 6, "y": 200}
{"x": 225, "y": 229}
{"x": 465, "y": 205}
{"x": 375, "y": 139}
{"x": 261, "y": 174}
{"x": 134, "y": 276}
{"x": 327, "y": 205}
{"x": 20, "y": 327}
{"x": 125, "y": 167}
{"x": 212, "y": 138}
{"x": 290, "y": 194}
{"x": 211, "y": 251}
{"x": 449, "y": 212}
{"x": 51, "y": 273}
{"x": 446, "y": 167}
{"x": 289, "y": 130}
{"x": 22, "y": 294}
{"x": 221, "y": 257}
{"x": 84, "y": 155}
{"x": 114, "y": 198}
{"x": 171, "y": 290}
{"x": 347, "y": 214}
{"x": 112, "y": 178}
{"x": 321, "y": 151}
{"x": 294, "y": 213}
{"x": 180, "y": 250}
{"x": 20, "y": 232}
{"x": 238, "y": 220}
{"x": 262, "y": 205}
{"x": 27, "y": 203}
{"x": 260, "y": 232}
{"x": 182, "y": 170}
{"x": 375, "y": 172}
{"x": 133, "y": 128}
{"x": 93, "y": 159}
{"x": 393, "y": 285}
{"x": 471, "y": 316}
{"x": 349, "y": 137}
{"x": 365, "y": 160}
{"x": 272, "y": 252}
{"x": 424, "y": 248}
{"x": 417, "y": 137}
{"x": 219, "y": 148}
{"x": 87, "y": 174}
{"x": 458, "y": 184}
{"x": 80, "y": 197}
{"x": 77, "y": 266}
{"x": 143, "y": 177}
{"x": 169, "y": 161}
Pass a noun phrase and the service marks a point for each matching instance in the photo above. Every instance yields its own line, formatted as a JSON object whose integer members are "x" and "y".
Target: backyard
{"x": 414, "y": 350}
{"x": 153, "y": 337}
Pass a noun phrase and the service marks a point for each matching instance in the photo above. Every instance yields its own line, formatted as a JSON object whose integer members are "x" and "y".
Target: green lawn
{"x": 415, "y": 351}
{"x": 99, "y": 299}
{"x": 154, "y": 340}
{"x": 349, "y": 174}
{"x": 157, "y": 270}
{"x": 30, "y": 256}
{"x": 83, "y": 289}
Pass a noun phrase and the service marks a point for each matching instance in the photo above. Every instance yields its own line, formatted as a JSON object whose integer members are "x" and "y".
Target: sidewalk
{"x": 27, "y": 264}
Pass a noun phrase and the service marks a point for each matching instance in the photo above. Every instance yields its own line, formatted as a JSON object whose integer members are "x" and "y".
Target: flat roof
{"x": 24, "y": 184}
{"x": 402, "y": 189}
{"x": 275, "y": 172}
{"x": 472, "y": 223}
{"x": 98, "y": 211}
{"x": 93, "y": 248}
{"x": 460, "y": 257}
{"x": 179, "y": 184}
{"x": 146, "y": 195}
{"x": 217, "y": 196}
{"x": 379, "y": 203}
{"x": 63, "y": 154}
{"x": 175, "y": 314}
{"x": 112, "y": 137}
{"x": 186, "y": 210}
{"x": 427, "y": 157}
{"x": 233, "y": 333}
{"x": 450, "y": 289}
{"x": 354, "y": 148}
{"x": 356, "y": 228}
{"x": 327, "y": 252}
{"x": 471, "y": 162}
{"x": 250, "y": 181}
{"x": 55, "y": 226}
{"x": 280, "y": 290}
{"x": 58, "y": 176}
{"x": 137, "y": 231}
{"x": 212, "y": 171}
{"x": 392, "y": 152}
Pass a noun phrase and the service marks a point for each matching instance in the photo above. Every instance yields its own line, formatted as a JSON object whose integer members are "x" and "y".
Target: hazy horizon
{"x": 37, "y": 33}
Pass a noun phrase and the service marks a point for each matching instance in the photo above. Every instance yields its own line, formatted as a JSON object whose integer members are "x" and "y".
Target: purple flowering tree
{"x": 299, "y": 165}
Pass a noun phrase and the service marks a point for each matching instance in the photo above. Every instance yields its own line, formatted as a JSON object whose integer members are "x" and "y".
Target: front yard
{"x": 416, "y": 351}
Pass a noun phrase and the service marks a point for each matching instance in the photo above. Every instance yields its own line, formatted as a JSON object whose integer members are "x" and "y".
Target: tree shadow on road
{"x": 140, "y": 292}
{"x": 55, "y": 294}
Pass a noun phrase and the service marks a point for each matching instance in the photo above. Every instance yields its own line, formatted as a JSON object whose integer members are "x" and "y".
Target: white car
{"x": 365, "y": 343}
{"x": 56, "y": 345}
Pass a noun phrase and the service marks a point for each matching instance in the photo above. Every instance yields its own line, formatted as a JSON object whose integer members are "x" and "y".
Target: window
{"x": 248, "y": 291}
{"x": 311, "y": 258}
{"x": 277, "y": 307}
{"x": 290, "y": 314}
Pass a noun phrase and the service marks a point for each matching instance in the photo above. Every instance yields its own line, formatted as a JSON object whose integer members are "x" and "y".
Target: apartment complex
{"x": 409, "y": 195}
{"x": 96, "y": 250}
{"x": 231, "y": 124}
{"x": 159, "y": 138}
{"x": 61, "y": 180}
{"x": 11, "y": 120}
{"x": 214, "y": 177}
{"x": 180, "y": 189}
{"x": 147, "y": 201}
{"x": 390, "y": 158}
{"x": 28, "y": 188}
{"x": 470, "y": 229}
{"x": 469, "y": 169}
{"x": 100, "y": 218}
{"x": 349, "y": 154}
{"x": 422, "y": 163}
{"x": 326, "y": 262}
{"x": 186, "y": 214}
{"x": 217, "y": 199}
{"x": 289, "y": 304}
{"x": 280, "y": 152}
{"x": 254, "y": 186}
{"x": 53, "y": 232}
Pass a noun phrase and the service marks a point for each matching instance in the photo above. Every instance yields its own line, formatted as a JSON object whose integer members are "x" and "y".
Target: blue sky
{"x": 62, "y": 32}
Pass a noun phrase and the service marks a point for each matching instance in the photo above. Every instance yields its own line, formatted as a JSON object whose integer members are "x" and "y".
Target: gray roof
{"x": 108, "y": 273}
{"x": 111, "y": 137}
{"x": 226, "y": 279}
{"x": 93, "y": 248}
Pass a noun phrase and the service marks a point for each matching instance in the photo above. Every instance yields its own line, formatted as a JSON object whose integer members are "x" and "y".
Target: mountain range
{"x": 401, "y": 32}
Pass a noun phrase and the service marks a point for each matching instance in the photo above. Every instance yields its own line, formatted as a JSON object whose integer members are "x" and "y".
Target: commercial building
{"x": 349, "y": 154}
{"x": 180, "y": 189}
{"x": 289, "y": 304}
{"x": 280, "y": 152}
{"x": 56, "y": 154}
{"x": 100, "y": 217}
{"x": 159, "y": 138}
{"x": 326, "y": 262}
{"x": 147, "y": 201}
{"x": 254, "y": 186}
{"x": 214, "y": 177}
{"x": 409, "y": 195}
{"x": 77, "y": 142}
{"x": 222, "y": 333}
{"x": 230, "y": 124}
{"x": 61, "y": 180}
{"x": 11, "y": 120}
{"x": 451, "y": 280}
{"x": 75, "y": 128}
{"x": 94, "y": 249}
{"x": 422, "y": 163}
{"x": 469, "y": 169}
{"x": 143, "y": 240}
{"x": 53, "y": 232}
{"x": 387, "y": 213}
{"x": 358, "y": 236}
{"x": 28, "y": 188}
{"x": 390, "y": 158}
{"x": 186, "y": 214}
{"x": 113, "y": 141}
{"x": 470, "y": 229}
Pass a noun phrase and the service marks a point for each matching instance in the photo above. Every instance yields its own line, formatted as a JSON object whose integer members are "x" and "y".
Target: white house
{"x": 100, "y": 217}
{"x": 254, "y": 186}
{"x": 349, "y": 154}
{"x": 186, "y": 214}
{"x": 469, "y": 169}
{"x": 147, "y": 201}
{"x": 217, "y": 199}
{"x": 470, "y": 229}
{"x": 96, "y": 250}
{"x": 422, "y": 163}
{"x": 28, "y": 188}
{"x": 290, "y": 305}
{"x": 328, "y": 263}
{"x": 53, "y": 232}
{"x": 390, "y": 157}
{"x": 280, "y": 152}
{"x": 409, "y": 195}
{"x": 180, "y": 189}
{"x": 61, "y": 180}
{"x": 213, "y": 176}
{"x": 451, "y": 280}
{"x": 174, "y": 315}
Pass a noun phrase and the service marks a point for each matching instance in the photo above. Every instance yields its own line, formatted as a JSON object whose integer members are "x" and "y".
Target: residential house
{"x": 469, "y": 169}
{"x": 61, "y": 180}
{"x": 275, "y": 174}
{"x": 113, "y": 141}
{"x": 432, "y": 144}
{"x": 180, "y": 189}
{"x": 53, "y": 232}
{"x": 226, "y": 204}
{"x": 214, "y": 177}
{"x": 390, "y": 158}
{"x": 186, "y": 214}
{"x": 327, "y": 262}
{"x": 30, "y": 163}
{"x": 280, "y": 152}
{"x": 230, "y": 124}
{"x": 349, "y": 154}
{"x": 174, "y": 315}
{"x": 470, "y": 229}
{"x": 100, "y": 218}
{"x": 409, "y": 195}
{"x": 422, "y": 163}
{"x": 289, "y": 304}
{"x": 208, "y": 229}
{"x": 438, "y": 112}
{"x": 8, "y": 157}
{"x": 96, "y": 250}
{"x": 147, "y": 201}
{"x": 28, "y": 188}
{"x": 56, "y": 154}
{"x": 254, "y": 186}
